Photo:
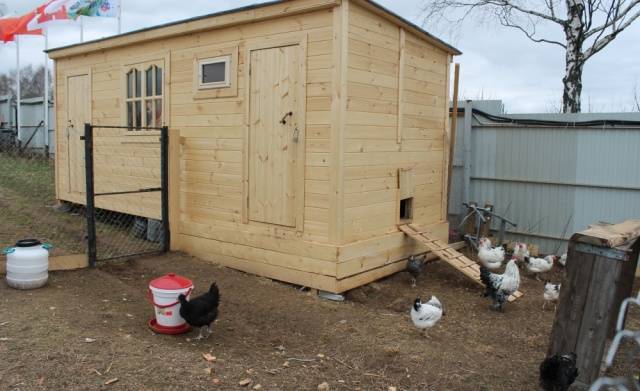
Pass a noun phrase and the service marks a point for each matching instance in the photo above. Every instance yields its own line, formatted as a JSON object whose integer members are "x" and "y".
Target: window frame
{"x": 143, "y": 100}
{"x": 211, "y": 52}
{"x": 226, "y": 83}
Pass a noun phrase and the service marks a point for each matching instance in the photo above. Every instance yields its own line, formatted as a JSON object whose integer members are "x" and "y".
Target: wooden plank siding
{"x": 396, "y": 100}
{"x": 376, "y": 97}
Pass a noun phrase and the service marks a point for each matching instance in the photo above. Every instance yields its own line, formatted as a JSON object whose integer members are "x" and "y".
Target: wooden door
{"x": 78, "y": 113}
{"x": 274, "y": 134}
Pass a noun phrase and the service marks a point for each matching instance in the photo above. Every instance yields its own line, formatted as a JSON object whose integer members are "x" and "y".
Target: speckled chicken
{"x": 491, "y": 258}
{"x": 500, "y": 286}
{"x": 551, "y": 293}
{"x": 426, "y": 315}
{"x": 415, "y": 267}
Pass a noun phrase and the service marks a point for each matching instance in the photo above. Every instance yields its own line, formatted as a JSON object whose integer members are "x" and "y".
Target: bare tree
{"x": 636, "y": 98}
{"x": 588, "y": 27}
{"x": 31, "y": 82}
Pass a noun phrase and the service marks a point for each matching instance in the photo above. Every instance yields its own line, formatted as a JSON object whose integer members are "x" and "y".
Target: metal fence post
{"x": 91, "y": 212}
{"x": 164, "y": 184}
{"x": 468, "y": 123}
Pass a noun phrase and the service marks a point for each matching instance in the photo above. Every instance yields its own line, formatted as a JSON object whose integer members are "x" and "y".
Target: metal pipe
{"x": 622, "y": 314}
{"x": 164, "y": 184}
{"x": 18, "y": 90}
{"x": 91, "y": 212}
{"x": 615, "y": 345}
{"x": 127, "y": 127}
{"x": 151, "y": 190}
{"x": 618, "y": 382}
{"x": 555, "y": 183}
{"x": 543, "y": 236}
{"x": 466, "y": 188}
{"x": 46, "y": 93}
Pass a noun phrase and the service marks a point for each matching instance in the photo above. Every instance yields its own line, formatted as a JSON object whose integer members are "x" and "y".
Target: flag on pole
{"x": 6, "y": 28}
{"x": 98, "y": 8}
{"x": 43, "y": 18}
{"x": 10, "y": 27}
{"x": 22, "y": 27}
{"x": 92, "y": 8}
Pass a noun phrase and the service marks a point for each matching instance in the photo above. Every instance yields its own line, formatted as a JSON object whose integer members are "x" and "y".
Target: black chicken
{"x": 202, "y": 310}
{"x": 558, "y": 372}
{"x": 415, "y": 266}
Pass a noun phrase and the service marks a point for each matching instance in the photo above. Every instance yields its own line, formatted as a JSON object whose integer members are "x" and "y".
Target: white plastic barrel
{"x": 163, "y": 293}
{"x": 27, "y": 264}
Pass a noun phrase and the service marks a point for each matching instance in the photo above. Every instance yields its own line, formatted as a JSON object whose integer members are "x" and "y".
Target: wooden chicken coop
{"x": 302, "y": 134}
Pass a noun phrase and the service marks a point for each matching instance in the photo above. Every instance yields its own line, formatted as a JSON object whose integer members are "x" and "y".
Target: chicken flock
{"x": 557, "y": 372}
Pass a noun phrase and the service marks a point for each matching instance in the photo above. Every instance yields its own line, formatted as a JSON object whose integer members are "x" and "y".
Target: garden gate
{"x": 126, "y": 190}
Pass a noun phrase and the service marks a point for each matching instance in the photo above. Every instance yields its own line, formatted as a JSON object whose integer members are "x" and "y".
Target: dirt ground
{"x": 88, "y": 327}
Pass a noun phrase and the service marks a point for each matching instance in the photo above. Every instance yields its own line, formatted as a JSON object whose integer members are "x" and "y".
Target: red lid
{"x": 171, "y": 282}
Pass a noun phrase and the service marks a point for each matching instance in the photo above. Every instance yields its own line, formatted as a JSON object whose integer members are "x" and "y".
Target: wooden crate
{"x": 601, "y": 267}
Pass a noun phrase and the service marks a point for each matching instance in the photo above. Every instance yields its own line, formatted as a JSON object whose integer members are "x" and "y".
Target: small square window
{"x": 214, "y": 72}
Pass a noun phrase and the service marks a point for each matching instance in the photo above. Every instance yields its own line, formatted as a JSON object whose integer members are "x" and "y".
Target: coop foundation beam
{"x": 62, "y": 262}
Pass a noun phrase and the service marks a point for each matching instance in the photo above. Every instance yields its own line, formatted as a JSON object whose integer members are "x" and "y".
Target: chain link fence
{"x": 125, "y": 213}
{"x": 28, "y": 206}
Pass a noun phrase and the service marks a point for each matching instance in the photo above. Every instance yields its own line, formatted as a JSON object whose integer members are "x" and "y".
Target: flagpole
{"x": 120, "y": 17}
{"x": 18, "y": 127}
{"x": 46, "y": 92}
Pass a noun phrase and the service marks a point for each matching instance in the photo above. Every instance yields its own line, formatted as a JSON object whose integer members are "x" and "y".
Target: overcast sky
{"x": 497, "y": 63}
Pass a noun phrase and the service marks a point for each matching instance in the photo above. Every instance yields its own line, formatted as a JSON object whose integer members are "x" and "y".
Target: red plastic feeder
{"x": 163, "y": 293}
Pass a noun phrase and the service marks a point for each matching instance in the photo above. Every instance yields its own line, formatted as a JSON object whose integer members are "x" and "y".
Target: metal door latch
{"x": 296, "y": 134}
{"x": 283, "y": 121}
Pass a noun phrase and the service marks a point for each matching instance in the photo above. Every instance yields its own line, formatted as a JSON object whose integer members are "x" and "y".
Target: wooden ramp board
{"x": 448, "y": 254}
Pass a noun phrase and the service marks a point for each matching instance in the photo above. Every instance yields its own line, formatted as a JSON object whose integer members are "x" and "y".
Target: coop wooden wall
{"x": 368, "y": 85}
{"x": 396, "y": 115}
{"x": 211, "y": 136}
{"x": 123, "y": 161}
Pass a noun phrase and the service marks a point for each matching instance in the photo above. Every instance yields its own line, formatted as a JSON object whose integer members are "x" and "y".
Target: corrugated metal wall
{"x": 31, "y": 114}
{"x": 552, "y": 181}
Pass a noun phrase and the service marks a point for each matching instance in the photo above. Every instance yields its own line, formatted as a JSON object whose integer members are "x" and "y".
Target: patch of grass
{"x": 31, "y": 177}
{"x": 27, "y": 196}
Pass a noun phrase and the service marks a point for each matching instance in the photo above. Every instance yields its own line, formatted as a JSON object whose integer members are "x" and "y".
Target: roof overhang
{"x": 233, "y": 17}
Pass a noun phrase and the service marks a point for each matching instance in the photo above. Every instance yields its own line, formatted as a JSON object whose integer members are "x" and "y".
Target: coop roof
{"x": 237, "y": 16}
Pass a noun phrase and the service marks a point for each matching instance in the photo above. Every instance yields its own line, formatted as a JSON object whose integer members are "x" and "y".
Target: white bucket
{"x": 167, "y": 305}
{"x": 27, "y": 264}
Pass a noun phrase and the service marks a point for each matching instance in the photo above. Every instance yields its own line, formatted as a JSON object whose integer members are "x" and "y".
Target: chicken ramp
{"x": 451, "y": 256}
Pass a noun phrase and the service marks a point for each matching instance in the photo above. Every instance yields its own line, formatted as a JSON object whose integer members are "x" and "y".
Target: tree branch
{"x": 602, "y": 43}
{"x": 510, "y": 4}
{"x": 531, "y": 36}
{"x": 611, "y": 21}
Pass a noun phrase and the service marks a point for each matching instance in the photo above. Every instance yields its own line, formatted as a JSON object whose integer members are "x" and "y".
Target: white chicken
{"x": 520, "y": 251}
{"x": 426, "y": 315}
{"x": 500, "y": 286}
{"x": 563, "y": 260}
{"x": 491, "y": 258}
{"x": 539, "y": 265}
{"x": 551, "y": 293}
